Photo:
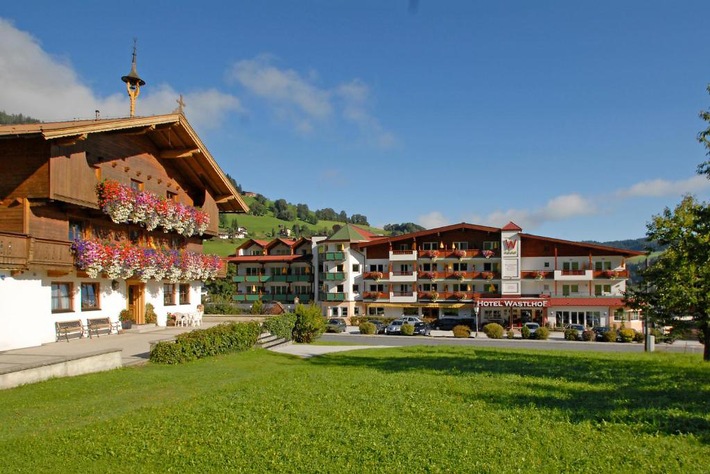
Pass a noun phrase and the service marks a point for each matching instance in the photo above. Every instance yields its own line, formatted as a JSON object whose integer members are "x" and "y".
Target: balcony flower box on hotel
{"x": 124, "y": 204}
{"x": 488, "y": 253}
{"x": 459, "y": 253}
{"x": 124, "y": 260}
{"x": 430, "y": 254}
{"x": 540, "y": 275}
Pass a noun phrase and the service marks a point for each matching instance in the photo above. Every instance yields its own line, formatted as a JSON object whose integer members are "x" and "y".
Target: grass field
{"x": 414, "y": 409}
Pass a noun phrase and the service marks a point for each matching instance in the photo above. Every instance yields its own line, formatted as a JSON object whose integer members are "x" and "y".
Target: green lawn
{"x": 413, "y": 409}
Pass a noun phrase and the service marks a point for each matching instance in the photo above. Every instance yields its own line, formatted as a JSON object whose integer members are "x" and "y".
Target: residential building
{"x": 98, "y": 216}
{"x": 280, "y": 270}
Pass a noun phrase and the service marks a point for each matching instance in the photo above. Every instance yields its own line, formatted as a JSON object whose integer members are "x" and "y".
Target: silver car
{"x": 395, "y": 327}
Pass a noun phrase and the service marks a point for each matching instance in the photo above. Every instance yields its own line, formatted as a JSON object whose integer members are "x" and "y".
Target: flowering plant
{"x": 123, "y": 204}
{"x": 124, "y": 261}
{"x": 458, "y": 275}
{"x": 430, "y": 253}
{"x": 540, "y": 274}
{"x": 459, "y": 253}
{"x": 488, "y": 253}
{"x": 487, "y": 275}
{"x": 427, "y": 275}
{"x": 460, "y": 295}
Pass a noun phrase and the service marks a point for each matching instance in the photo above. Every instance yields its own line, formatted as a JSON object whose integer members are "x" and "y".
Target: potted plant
{"x": 150, "y": 316}
{"x": 126, "y": 319}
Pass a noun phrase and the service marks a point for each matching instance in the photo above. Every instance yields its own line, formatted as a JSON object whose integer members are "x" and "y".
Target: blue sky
{"x": 576, "y": 120}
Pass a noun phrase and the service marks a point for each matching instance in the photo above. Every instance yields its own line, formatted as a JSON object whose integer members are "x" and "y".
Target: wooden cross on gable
{"x": 181, "y": 105}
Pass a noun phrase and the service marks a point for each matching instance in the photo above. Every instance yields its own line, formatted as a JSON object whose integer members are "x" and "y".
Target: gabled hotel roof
{"x": 352, "y": 233}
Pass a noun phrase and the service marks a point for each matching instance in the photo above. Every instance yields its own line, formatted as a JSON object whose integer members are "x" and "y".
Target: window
{"x": 76, "y": 230}
{"x": 61, "y": 297}
{"x": 430, "y": 246}
{"x": 344, "y": 311}
{"x": 356, "y": 267}
{"x": 377, "y": 268}
{"x": 600, "y": 290}
{"x": 602, "y": 265}
{"x": 461, "y": 245}
{"x": 379, "y": 288}
{"x": 90, "y": 296}
{"x": 569, "y": 289}
{"x": 134, "y": 235}
{"x": 460, "y": 267}
{"x": 340, "y": 288}
{"x": 356, "y": 288}
{"x": 169, "y": 294}
{"x": 252, "y": 271}
{"x": 375, "y": 311}
{"x": 171, "y": 196}
{"x": 279, "y": 290}
{"x": 547, "y": 265}
{"x": 491, "y": 245}
{"x": 356, "y": 311}
{"x": 567, "y": 266}
{"x": 136, "y": 185}
{"x": 184, "y": 293}
{"x": 339, "y": 268}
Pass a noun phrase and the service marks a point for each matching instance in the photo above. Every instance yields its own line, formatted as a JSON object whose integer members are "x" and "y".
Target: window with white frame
{"x": 491, "y": 245}
{"x": 461, "y": 245}
{"x": 430, "y": 245}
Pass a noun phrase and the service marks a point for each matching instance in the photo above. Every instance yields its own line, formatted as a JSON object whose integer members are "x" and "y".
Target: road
{"x": 482, "y": 341}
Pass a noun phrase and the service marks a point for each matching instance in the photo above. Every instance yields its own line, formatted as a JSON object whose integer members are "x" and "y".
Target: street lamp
{"x": 476, "y": 309}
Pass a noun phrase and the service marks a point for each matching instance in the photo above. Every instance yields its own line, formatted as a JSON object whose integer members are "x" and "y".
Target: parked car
{"x": 411, "y": 319}
{"x": 422, "y": 329}
{"x": 447, "y": 324}
{"x": 579, "y": 328}
{"x": 336, "y": 325}
{"x": 395, "y": 327}
{"x": 379, "y": 326}
{"x": 532, "y": 327}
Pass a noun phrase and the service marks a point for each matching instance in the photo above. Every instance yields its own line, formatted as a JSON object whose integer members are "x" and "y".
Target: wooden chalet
{"x": 50, "y": 207}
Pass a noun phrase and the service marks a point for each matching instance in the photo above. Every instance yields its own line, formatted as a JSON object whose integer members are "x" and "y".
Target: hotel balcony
{"x": 331, "y": 296}
{"x": 574, "y": 275}
{"x": 332, "y": 276}
{"x": 252, "y": 278}
{"x": 246, "y": 298}
{"x": 611, "y": 274}
{"x": 445, "y": 296}
{"x": 403, "y": 255}
{"x": 291, "y": 278}
{"x": 403, "y": 277}
{"x": 375, "y": 296}
{"x": 333, "y": 256}
{"x": 403, "y": 297}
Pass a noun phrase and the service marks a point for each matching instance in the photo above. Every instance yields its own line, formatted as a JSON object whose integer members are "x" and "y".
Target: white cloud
{"x": 432, "y": 220}
{"x": 34, "y": 83}
{"x": 661, "y": 187}
{"x": 300, "y": 100}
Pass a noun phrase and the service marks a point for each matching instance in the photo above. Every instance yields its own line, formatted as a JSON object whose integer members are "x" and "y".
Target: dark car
{"x": 600, "y": 333}
{"x": 336, "y": 325}
{"x": 379, "y": 326}
{"x": 580, "y": 330}
{"x": 422, "y": 329}
{"x": 447, "y": 324}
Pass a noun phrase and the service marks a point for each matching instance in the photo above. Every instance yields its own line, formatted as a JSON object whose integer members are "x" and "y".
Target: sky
{"x": 575, "y": 120}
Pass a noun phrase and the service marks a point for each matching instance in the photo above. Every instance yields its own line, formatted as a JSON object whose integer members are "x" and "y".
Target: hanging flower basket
{"x": 488, "y": 253}
{"x": 459, "y": 253}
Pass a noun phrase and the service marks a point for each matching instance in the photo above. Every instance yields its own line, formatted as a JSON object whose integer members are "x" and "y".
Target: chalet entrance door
{"x": 136, "y": 302}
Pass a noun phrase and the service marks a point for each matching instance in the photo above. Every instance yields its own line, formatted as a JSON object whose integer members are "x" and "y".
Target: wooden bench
{"x": 65, "y": 328}
{"x": 97, "y": 324}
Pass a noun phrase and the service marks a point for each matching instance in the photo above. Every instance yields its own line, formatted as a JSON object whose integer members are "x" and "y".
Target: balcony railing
{"x": 332, "y": 276}
{"x": 19, "y": 251}
{"x": 251, "y": 278}
{"x": 332, "y": 296}
{"x": 334, "y": 256}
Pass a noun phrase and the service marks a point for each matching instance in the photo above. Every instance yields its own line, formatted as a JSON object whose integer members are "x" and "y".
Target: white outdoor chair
{"x": 197, "y": 318}
{"x": 181, "y": 320}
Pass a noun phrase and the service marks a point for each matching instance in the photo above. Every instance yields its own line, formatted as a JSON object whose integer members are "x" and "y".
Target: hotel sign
{"x": 512, "y": 303}
{"x": 510, "y": 247}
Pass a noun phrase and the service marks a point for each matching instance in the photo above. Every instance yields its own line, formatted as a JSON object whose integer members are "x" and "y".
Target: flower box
{"x": 124, "y": 204}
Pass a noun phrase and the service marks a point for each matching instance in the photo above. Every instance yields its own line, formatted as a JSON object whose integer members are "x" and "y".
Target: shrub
{"x": 462, "y": 331}
{"x": 627, "y": 334}
{"x": 222, "y": 308}
{"x": 150, "y": 316}
{"x": 281, "y": 325}
{"x": 493, "y": 330}
{"x": 639, "y": 337}
{"x": 407, "y": 329}
{"x": 610, "y": 335}
{"x": 525, "y": 332}
{"x": 310, "y": 324}
{"x": 588, "y": 335}
{"x": 571, "y": 334}
{"x": 542, "y": 333}
{"x": 257, "y": 307}
{"x": 367, "y": 328}
{"x": 510, "y": 334}
{"x": 222, "y": 339}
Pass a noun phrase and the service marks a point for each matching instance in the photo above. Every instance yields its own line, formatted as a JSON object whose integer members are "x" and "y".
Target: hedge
{"x": 221, "y": 339}
{"x": 281, "y": 325}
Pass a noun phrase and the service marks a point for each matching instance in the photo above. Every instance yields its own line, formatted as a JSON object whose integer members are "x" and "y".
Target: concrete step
{"x": 267, "y": 340}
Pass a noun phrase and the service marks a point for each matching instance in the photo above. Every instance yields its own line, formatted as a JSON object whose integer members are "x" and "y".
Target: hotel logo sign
{"x": 510, "y": 247}
{"x": 504, "y": 303}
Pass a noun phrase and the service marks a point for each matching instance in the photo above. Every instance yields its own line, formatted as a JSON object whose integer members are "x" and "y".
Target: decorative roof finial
{"x": 133, "y": 82}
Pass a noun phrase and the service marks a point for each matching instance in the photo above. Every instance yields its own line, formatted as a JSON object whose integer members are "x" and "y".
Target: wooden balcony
{"x": 19, "y": 252}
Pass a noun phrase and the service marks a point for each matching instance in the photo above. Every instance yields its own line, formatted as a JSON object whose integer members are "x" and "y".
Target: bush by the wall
{"x": 610, "y": 335}
{"x": 310, "y": 324}
{"x": 407, "y": 329}
{"x": 257, "y": 307}
{"x": 588, "y": 335}
{"x": 222, "y": 308}
{"x": 150, "y": 316}
{"x": 525, "y": 332}
{"x": 542, "y": 333}
{"x": 462, "y": 331}
{"x": 627, "y": 334}
{"x": 221, "y": 339}
{"x": 571, "y": 334}
{"x": 639, "y": 337}
{"x": 493, "y": 330}
{"x": 281, "y": 325}
{"x": 367, "y": 328}
{"x": 510, "y": 334}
